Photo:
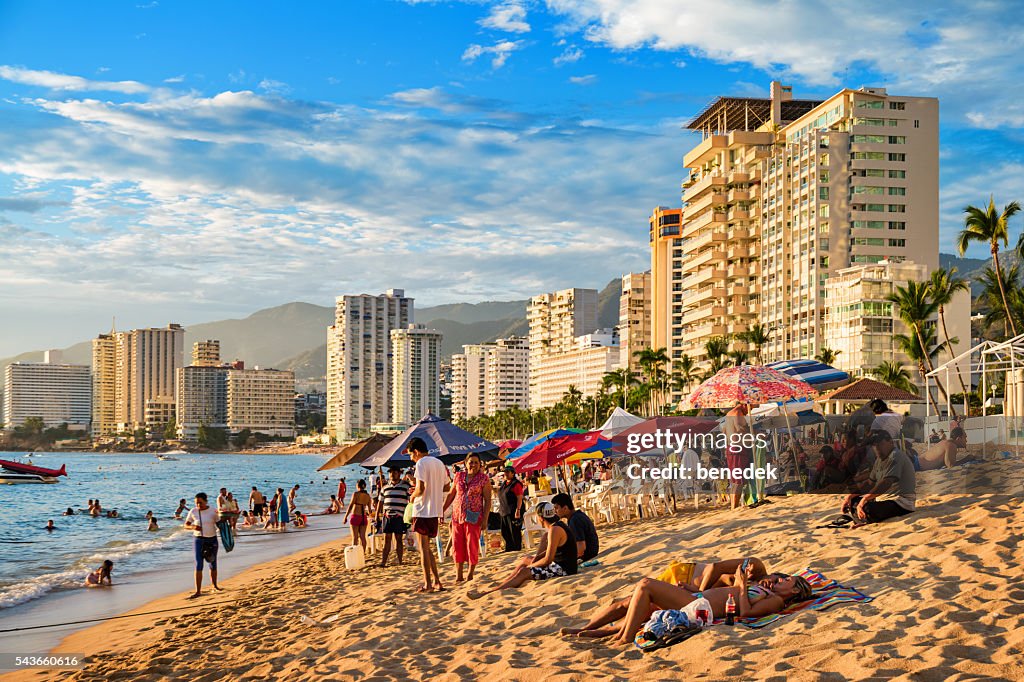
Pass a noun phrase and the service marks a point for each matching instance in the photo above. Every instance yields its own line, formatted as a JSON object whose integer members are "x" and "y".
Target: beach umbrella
{"x": 356, "y": 452}
{"x": 679, "y": 427}
{"x": 618, "y": 420}
{"x": 510, "y": 444}
{"x": 748, "y": 385}
{"x": 815, "y": 373}
{"x": 538, "y": 438}
{"x": 555, "y": 451}
{"x": 444, "y": 440}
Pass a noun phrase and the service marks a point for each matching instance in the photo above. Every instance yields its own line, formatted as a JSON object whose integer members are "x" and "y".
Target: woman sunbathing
{"x": 768, "y": 596}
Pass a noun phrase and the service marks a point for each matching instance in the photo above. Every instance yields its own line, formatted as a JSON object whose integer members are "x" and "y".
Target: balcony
{"x": 702, "y": 276}
{"x": 705, "y": 258}
{"x": 706, "y": 201}
{"x": 709, "y": 292}
{"x": 706, "y": 238}
{"x": 740, "y": 252}
{"x": 741, "y": 309}
{"x": 740, "y": 233}
{"x": 739, "y": 270}
{"x": 691, "y": 227}
{"x": 738, "y": 195}
{"x": 709, "y": 180}
{"x": 705, "y": 331}
{"x": 740, "y": 214}
{"x": 705, "y": 311}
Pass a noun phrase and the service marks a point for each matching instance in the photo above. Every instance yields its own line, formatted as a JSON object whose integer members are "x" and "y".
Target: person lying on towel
{"x": 753, "y": 600}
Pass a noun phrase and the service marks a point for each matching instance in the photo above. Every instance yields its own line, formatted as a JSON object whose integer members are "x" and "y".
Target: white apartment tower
{"x": 556, "y": 320}
{"x": 55, "y": 392}
{"x": 490, "y": 377}
{"x": 415, "y": 373}
{"x": 359, "y": 361}
{"x": 634, "y": 318}
{"x": 261, "y": 400}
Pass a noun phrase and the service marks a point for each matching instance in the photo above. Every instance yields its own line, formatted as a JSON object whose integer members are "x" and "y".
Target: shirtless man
{"x": 257, "y": 503}
{"x": 943, "y": 453}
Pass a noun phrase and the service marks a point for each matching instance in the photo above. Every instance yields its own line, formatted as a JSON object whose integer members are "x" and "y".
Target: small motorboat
{"x": 12, "y": 478}
{"x": 166, "y": 458}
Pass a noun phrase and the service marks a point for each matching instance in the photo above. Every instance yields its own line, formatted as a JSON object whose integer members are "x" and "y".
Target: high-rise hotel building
{"x": 415, "y": 373}
{"x": 490, "y": 377}
{"x": 782, "y": 194}
{"x": 634, "y": 319}
{"x": 53, "y": 391}
{"x": 556, "y": 320}
{"x": 359, "y": 361}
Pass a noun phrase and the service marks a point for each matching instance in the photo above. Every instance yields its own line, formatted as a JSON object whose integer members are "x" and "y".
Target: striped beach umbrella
{"x": 817, "y": 374}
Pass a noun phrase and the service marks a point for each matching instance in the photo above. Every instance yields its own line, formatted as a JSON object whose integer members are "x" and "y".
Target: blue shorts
{"x": 210, "y": 546}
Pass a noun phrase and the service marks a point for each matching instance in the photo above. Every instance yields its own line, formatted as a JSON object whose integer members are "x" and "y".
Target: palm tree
{"x": 921, "y": 350}
{"x": 916, "y": 308}
{"x": 716, "y": 347}
{"x": 621, "y": 378}
{"x": 685, "y": 373}
{"x": 757, "y": 335}
{"x": 991, "y": 297}
{"x": 739, "y": 357}
{"x": 894, "y": 374}
{"x": 827, "y": 356}
{"x": 942, "y": 287}
{"x": 652, "y": 361}
{"x": 985, "y": 225}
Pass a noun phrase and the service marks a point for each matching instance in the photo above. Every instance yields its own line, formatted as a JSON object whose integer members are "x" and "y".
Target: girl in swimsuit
{"x": 96, "y": 578}
{"x": 768, "y": 596}
{"x": 356, "y": 514}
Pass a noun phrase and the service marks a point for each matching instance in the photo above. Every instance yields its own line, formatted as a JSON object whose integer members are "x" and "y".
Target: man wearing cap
{"x": 558, "y": 561}
{"x": 427, "y": 507}
{"x": 892, "y": 468}
{"x": 510, "y": 506}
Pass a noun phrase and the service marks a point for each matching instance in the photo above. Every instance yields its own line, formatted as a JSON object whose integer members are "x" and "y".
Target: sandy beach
{"x": 948, "y": 606}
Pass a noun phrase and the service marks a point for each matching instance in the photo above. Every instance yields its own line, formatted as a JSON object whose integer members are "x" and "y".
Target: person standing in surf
{"x": 202, "y": 521}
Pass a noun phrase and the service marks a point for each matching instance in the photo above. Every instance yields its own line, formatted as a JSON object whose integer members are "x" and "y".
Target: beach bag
{"x": 671, "y": 626}
{"x": 407, "y": 516}
{"x": 227, "y": 538}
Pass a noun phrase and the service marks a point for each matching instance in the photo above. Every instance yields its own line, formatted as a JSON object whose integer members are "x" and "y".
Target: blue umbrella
{"x": 817, "y": 374}
{"x": 444, "y": 440}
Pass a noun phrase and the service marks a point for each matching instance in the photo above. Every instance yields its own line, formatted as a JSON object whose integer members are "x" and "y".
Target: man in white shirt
{"x": 886, "y": 419}
{"x": 427, "y": 507}
{"x": 202, "y": 521}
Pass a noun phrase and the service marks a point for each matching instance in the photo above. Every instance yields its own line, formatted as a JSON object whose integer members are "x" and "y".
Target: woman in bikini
{"x": 356, "y": 516}
{"x": 100, "y": 575}
{"x": 765, "y": 597}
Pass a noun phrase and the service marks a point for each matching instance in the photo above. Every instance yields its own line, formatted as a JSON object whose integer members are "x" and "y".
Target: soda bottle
{"x": 730, "y": 611}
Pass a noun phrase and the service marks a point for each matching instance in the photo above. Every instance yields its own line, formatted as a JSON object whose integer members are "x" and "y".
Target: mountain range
{"x": 294, "y": 335}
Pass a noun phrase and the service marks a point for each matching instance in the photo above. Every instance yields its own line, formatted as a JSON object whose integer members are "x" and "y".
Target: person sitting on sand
{"x": 579, "y": 523}
{"x": 753, "y": 600}
{"x": 559, "y": 560}
{"x": 892, "y": 468}
{"x": 68, "y": 512}
{"x": 943, "y": 453}
{"x": 182, "y": 508}
{"x": 101, "y": 574}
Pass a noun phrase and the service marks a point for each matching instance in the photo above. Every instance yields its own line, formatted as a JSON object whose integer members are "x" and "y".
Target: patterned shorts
{"x": 552, "y": 570}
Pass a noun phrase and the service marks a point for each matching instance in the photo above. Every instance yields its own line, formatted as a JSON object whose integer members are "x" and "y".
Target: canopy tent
{"x": 444, "y": 440}
{"x": 356, "y": 452}
{"x": 618, "y": 420}
{"x": 817, "y": 374}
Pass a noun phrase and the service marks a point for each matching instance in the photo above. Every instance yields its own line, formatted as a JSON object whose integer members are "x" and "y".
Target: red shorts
{"x": 426, "y": 527}
{"x": 740, "y": 458}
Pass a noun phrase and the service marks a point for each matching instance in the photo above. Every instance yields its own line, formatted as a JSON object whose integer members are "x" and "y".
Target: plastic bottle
{"x": 730, "y": 611}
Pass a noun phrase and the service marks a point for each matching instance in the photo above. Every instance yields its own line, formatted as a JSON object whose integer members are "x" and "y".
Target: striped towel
{"x": 826, "y": 593}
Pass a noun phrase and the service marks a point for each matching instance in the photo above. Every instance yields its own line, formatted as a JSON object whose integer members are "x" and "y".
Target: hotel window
{"x": 917, "y": 123}
{"x": 869, "y": 156}
{"x": 823, "y": 193}
{"x": 897, "y": 208}
{"x": 897, "y": 225}
{"x": 898, "y": 174}
{"x": 869, "y": 224}
{"x": 868, "y": 241}
{"x": 877, "y": 139}
{"x": 868, "y": 189}
{"x": 897, "y": 191}
{"x": 893, "y": 122}
{"x": 823, "y": 262}
{"x": 874, "y": 173}
{"x": 823, "y": 227}
{"x": 866, "y": 258}
{"x": 823, "y": 176}
{"x": 823, "y": 211}
{"x": 898, "y": 106}
{"x": 898, "y": 242}
{"x": 897, "y": 139}
{"x": 871, "y": 104}
{"x": 869, "y": 121}
{"x": 897, "y": 156}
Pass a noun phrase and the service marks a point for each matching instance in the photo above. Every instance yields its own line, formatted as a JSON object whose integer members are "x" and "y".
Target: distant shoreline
{"x": 286, "y": 450}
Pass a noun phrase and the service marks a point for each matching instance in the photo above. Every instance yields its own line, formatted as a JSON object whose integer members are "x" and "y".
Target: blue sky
{"x": 189, "y": 161}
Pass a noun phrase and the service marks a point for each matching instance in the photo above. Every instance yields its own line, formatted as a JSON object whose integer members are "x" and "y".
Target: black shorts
{"x": 258, "y": 509}
{"x": 394, "y": 525}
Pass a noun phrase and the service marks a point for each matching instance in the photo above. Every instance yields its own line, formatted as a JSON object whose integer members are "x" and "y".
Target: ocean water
{"x": 36, "y": 564}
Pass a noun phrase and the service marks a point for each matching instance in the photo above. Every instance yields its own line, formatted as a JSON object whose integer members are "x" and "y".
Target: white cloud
{"x": 570, "y": 55}
{"x": 274, "y": 87}
{"x": 60, "y": 81}
{"x": 507, "y": 16}
{"x": 965, "y": 52}
{"x": 175, "y": 79}
{"x": 589, "y": 79}
{"x": 500, "y": 52}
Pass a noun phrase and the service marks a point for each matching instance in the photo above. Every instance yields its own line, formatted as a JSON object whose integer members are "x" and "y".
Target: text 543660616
{"x": 54, "y": 661}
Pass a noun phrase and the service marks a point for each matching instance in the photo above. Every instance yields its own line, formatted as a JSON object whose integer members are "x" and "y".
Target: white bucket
{"x": 354, "y": 559}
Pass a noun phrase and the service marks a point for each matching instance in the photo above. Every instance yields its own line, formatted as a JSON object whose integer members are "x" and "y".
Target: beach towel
{"x": 227, "y": 538}
{"x": 825, "y": 594}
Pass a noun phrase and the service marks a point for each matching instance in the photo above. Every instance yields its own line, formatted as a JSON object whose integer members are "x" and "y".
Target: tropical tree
{"x": 986, "y": 226}
{"x": 757, "y": 336}
{"x": 827, "y": 355}
{"x": 716, "y": 348}
{"x": 621, "y": 379}
{"x": 912, "y": 345}
{"x": 685, "y": 373}
{"x": 652, "y": 362}
{"x": 895, "y": 375}
{"x": 916, "y": 308}
{"x": 991, "y": 297}
{"x": 943, "y": 286}
{"x": 739, "y": 357}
